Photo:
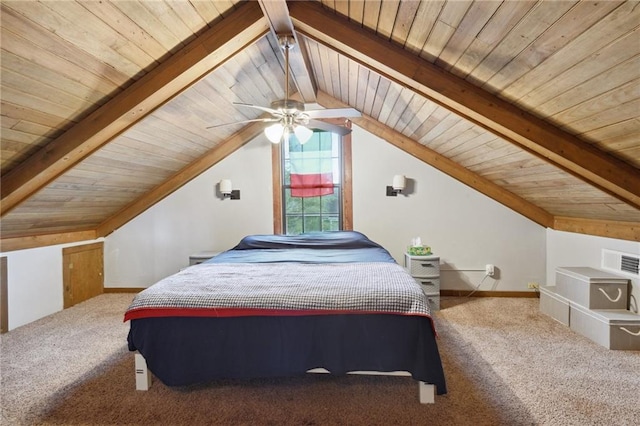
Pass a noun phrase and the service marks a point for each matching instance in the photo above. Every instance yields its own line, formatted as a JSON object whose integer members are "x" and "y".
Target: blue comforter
{"x": 325, "y": 247}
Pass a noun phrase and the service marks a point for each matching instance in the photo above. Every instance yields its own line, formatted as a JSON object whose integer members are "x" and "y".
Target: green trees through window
{"x": 315, "y": 169}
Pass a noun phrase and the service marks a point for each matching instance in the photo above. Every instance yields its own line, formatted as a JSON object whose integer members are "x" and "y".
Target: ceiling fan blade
{"x": 269, "y": 110}
{"x": 328, "y": 127}
{"x": 264, "y": 120}
{"x": 333, "y": 113}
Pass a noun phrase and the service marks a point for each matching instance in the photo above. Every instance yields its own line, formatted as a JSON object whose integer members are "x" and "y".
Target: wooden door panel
{"x": 82, "y": 273}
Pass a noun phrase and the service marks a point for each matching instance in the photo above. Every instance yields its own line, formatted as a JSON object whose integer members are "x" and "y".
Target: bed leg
{"x": 143, "y": 377}
{"x": 427, "y": 393}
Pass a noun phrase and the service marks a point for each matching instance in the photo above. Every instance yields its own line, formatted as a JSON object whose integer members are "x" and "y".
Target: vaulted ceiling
{"x": 105, "y": 105}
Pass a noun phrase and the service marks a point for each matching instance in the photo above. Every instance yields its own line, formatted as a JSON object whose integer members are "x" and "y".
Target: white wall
{"x": 159, "y": 241}
{"x": 569, "y": 249}
{"x": 465, "y": 228}
{"x": 34, "y": 288}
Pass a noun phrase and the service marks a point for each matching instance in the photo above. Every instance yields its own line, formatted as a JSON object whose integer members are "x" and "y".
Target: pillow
{"x": 316, "y": 240}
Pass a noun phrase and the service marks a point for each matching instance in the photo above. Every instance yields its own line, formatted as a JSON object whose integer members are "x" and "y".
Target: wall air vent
{"x": 622, "y": 263}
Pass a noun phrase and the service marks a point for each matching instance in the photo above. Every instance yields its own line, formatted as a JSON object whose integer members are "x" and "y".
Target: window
{"x": 311, "y": 184}
{"x": 318, "y": 198}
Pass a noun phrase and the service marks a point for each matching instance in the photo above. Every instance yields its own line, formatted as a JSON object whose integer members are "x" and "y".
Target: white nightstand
{"x": 426, "y": 270}
{"x": 200, "y": 257}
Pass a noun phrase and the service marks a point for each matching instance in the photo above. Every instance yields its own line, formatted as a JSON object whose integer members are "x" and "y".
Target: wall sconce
{"x": 227, "y": 192}
{"x": 399, "y": 183}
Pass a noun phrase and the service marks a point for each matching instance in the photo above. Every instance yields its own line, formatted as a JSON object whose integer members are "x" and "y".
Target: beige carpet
{"x": 505, "y": 364}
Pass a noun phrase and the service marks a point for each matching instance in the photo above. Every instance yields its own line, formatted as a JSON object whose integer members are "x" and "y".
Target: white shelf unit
{"x": 426, "y": 271}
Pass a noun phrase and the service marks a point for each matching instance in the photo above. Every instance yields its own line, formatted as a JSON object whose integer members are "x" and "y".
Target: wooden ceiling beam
{"x": 277, "y": 13}
{"x": 32, "y": 241}
{"x": 603, "y": 228}
{"x": 213, "y": 48}
{"x": 507, "y": 121}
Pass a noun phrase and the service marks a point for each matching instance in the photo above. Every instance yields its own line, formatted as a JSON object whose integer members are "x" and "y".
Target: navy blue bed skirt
{"x": 193, "y": 350}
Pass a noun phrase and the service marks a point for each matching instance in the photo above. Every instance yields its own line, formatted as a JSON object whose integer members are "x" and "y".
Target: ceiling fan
{"x": 290, "y": 117}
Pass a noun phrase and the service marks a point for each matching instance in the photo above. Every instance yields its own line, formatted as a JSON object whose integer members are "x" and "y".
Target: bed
{"x": 278, "y": 305}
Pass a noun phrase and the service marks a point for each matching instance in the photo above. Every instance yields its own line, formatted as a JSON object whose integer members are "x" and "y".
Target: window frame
{"x": 346, "y": 187}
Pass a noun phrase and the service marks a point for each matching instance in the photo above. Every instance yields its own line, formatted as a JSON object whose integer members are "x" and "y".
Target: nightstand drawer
{"x": 429, "y": 285}
{"x": 423, "y": 266}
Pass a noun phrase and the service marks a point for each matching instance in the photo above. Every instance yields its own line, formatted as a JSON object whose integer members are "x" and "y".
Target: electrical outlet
{"x": 533, "y": 286}
{"x": 489, "y": 269}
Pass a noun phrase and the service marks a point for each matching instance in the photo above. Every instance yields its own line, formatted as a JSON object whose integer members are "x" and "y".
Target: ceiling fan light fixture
{"x": 289, "y": 116}
{"x": 274, "y": 132}
{"x": 303, "y": 133}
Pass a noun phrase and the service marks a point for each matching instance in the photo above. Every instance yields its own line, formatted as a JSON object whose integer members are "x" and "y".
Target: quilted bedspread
{"x": 259, "y": 289}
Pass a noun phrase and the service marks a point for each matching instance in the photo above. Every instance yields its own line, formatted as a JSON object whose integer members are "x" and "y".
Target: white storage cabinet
{"x": 554, "y": 305}
{"x": 612, "y": 328}
{"x": 592, "y": 288}
{"x": 426, "y": 270}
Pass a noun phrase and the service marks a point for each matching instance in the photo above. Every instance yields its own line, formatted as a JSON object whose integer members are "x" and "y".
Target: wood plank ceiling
{"x": 105, "y": 105}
